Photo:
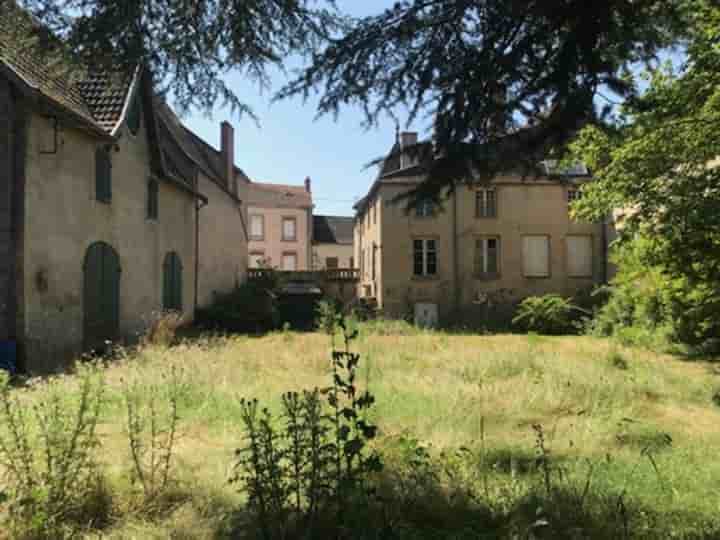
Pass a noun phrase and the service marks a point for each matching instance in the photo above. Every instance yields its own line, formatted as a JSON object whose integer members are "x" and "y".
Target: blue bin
{"x": 8, "y": 356}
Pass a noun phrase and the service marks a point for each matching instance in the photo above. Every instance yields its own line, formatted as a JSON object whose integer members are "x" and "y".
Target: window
{"x": 289, "y": 233}
{"x": 257, "y": 259}
{"x": 103, "y": 175}
{"x": 331, "y": 263}
{"x": 424, "y": 208}
{"x": 573, "y": 194}
{"x": 374, "y": 262}
{"x": 172, "y": 282}
{"x": 152, "y": 199}
{"x": 425, "y": 257}
{"x": 485, "y": 203}
{"x": 579, "y": 256}
{"x": 257, "y": 227}
{"x": 289, "y": 262}
{"x": 536, "y": 256}
{"x": 374, "y": 213}
{"x": 133, "y": 116}
{"x": 487, "y": 257}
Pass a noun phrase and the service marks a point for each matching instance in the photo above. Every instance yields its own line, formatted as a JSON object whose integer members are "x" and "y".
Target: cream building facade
{"x": 333, "y": 242}
{"x": 485, "y": 246}
{"x": 106, "y": 216}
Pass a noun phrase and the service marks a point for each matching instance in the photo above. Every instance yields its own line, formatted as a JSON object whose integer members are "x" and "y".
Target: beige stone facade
{"x": 328, "y": 256}
{"x": 477, "y": 248}
{"x": 279, "y": 224}
{"x": 333, "y": 242}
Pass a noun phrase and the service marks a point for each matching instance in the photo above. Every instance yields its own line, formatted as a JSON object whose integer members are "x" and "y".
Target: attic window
{"x": 133, "y": 116}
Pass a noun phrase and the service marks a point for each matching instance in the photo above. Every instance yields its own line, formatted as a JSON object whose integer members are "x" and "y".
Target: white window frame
{"x": 292, "y": 254}
{"x": 482, "y": 207}
{"x": 259, "y": 218}
{"x": 484, "y": 273}
{"x": 548, "y": 270}
{"x": 293, "y": 220}
{"x": 425, "y": 256}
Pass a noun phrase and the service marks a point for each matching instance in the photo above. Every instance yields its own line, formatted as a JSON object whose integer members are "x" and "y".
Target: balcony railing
{"x": 335, "y": 274}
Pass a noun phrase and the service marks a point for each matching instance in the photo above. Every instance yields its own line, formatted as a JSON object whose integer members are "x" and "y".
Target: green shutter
{"x": 103, "y": 175}
{"x": 133, "y": 118}
{"x": 101, "y": 298}
{"x": 172, "y": 283}
{"x": 152, "y": 202}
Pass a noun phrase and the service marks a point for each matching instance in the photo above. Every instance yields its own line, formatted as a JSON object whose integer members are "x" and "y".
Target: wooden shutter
{"x": 103, "y": 175}
{"x": 579, "y": 256}
{"x": 172, "y": 282}
{"x": 133, "y": 118}
{"x": 536, "y": 256}
{"x": 152, "y": 202}
{"x": 101, "y": 296}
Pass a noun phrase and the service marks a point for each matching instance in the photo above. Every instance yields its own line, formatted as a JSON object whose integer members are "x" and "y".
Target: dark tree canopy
{"x": 483, "y": 69}
{"x": 189, "y": 44}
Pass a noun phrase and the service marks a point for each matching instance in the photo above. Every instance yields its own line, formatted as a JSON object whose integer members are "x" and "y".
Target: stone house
{"x": 486, "y": 246}
{"x": 280, "y": 225}
{"x": 107, "y": 214}
{"x": 332, "y": 243}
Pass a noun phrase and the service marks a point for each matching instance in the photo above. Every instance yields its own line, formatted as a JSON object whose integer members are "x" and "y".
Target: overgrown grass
{"x": 458, "y": 419}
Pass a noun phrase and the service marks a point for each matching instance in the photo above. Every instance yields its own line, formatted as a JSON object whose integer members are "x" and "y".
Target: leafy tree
{"x": 189, "y": 44}
{"x": 504, "y": 81}
{"x": 660, "y": 164}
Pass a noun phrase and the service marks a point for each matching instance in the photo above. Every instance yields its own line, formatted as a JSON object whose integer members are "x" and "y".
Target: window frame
{"x": 425, "y": 254}
{"x": 591, "y": 239}
{"x": 260, "y": 237}
{"x": 548, "y": 275}
{"x": 485, "y": 214}
{"x": 484, "y": 274}
{"x": 289, "y": 254}
{"x": 293, "y": 220}
{"x": 425, "y": 208}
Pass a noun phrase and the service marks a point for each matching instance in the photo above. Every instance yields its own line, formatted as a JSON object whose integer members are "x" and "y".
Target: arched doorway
{"x": 101, "y": 299}
{"x": 172, "y": 283}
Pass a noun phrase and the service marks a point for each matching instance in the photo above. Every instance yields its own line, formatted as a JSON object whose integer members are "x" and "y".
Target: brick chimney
{"x": 308, "y": 184}
{"x": 407, "y": 140}
{"x": 227, "y": 150}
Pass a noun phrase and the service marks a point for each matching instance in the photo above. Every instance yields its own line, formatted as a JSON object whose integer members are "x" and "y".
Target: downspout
{"x": 456, "y": 254}
{"x": 604, "y": 235}
{"x": 199, "y": 203}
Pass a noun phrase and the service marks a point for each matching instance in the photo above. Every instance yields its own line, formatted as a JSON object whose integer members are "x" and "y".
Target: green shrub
{"x": 49, "y": 455}
{"x": 648, "y": 307}
{"x": 252, "y": 307}
{"x": 548, "y": 314}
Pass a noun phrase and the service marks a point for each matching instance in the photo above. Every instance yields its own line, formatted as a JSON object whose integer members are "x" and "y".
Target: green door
{"x": 101, "y": 301}
{"x": 172, "y": 282}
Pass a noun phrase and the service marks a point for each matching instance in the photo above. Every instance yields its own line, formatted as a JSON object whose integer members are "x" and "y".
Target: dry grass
{"x": 440, "y": 389}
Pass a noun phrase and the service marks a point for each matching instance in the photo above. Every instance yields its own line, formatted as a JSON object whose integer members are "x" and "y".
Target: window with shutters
{"x": 152, "y": 199}
{"x": 257, "y": 227}
{"x": 172, "y": 283}
{"x": 103, "y": 175}
{"x": 424, "y": 208}
{"x": 133, "y": 116}
{"x": 425, "y": 257}
{"x": 289, "y": 261}
{"x": 536, "y": 256}
{"x": 487, "y": 257}
{"x": 579, "y": 256}
{"x": 289, "y": 229}
{"x": 486, "y": 203}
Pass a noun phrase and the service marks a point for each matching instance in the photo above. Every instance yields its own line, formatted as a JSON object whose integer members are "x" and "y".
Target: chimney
{"x": 308, "y": 185}
{"x": 227, "y": 150}
{"x": 407, "y": 139}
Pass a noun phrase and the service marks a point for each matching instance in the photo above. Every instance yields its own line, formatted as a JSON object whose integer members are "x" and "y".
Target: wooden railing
{"x": 335, "y": 274}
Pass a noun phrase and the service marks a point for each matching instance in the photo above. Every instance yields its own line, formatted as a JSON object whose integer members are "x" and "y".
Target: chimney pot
{"x": 227, "y": 149}
{"x": 308, "y": 184}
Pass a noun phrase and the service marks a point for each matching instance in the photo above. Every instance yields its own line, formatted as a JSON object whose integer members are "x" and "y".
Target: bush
{"x": 252, "y": 307}
{"x": 548, "y": 314}
{"x": 650, "y": 308}
{"x": 49, "y": 456}
{"x": 162, "y": 328}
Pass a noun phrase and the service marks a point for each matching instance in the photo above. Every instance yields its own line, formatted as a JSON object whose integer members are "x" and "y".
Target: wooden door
{"x": 101, "y": 300}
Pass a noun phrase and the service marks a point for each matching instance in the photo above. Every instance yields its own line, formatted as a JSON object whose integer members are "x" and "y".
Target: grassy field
{"x": 636, "y": 429}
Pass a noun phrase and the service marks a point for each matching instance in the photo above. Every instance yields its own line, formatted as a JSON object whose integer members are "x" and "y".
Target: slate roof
{"x": 205, "y": 156}
{"x": 265, "y": 195}
{"x": 96, "y": 100}
{"x": 333, "y": 230}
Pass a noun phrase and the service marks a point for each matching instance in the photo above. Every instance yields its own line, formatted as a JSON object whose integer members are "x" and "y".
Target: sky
{"x": 291, "y": 144}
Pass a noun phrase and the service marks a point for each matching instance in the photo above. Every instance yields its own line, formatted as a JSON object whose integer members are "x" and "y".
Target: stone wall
{"x": 7, "y": 177}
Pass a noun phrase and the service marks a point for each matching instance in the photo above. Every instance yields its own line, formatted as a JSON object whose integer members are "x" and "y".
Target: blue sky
{"x": 291, "y": 144}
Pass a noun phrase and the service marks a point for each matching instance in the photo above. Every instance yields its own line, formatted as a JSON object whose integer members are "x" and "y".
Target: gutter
{"x": 456, "y": 264}
{"x": 199, "y": 204}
